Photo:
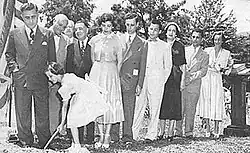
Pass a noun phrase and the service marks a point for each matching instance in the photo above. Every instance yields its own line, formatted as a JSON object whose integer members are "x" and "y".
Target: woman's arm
{"x": 183, "y": 69}
{"x": 62, "y": 126}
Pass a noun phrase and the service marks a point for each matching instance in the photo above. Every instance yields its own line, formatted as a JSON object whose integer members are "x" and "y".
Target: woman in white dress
{"x": 211, "y": 103}
{"x": 85, "y": 98}
{"x": 106, "y": 54}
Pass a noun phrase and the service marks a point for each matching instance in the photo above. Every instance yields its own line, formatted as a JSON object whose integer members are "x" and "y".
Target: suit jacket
{"x": 61, "y": 51}
{"x": 78, "y": 61}
{"x": 196, "y": 69}
{"x": 178, "y": 58}
{"x": 134, "y": 61}
{"x": 30, "y": 59}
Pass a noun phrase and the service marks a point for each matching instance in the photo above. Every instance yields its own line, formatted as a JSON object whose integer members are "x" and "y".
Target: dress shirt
{"x": 159, "y": 58}
{"x": 57, "y": 39}
{"x": 27, "y": 29}
{"x": 132, "y": 37}
{"x": 192, "y": 54}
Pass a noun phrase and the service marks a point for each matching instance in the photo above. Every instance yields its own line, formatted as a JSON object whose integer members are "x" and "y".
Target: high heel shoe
{"x": 100, "y": 142}
{"x": 160, "y": 137}
{"x": 106, "y": 142}
{"x": 170, "y": 138}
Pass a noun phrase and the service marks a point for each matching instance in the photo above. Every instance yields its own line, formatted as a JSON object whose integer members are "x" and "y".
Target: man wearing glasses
{"x": 29, "y": 49}
{"x": 197, "y": 66}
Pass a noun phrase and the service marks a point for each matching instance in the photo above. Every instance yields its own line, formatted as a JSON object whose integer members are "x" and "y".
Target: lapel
{"x": 132, "y": 48}
{"x": 61, "y": 52}
{"x": 37, "y": 42}
{"x": 194, "y": 59}
{"x": 77, "y": 50}
{"x": 23, "y": 38}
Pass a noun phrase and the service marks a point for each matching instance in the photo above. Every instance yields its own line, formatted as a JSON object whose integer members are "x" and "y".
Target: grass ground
{"x": 179, "y": 145}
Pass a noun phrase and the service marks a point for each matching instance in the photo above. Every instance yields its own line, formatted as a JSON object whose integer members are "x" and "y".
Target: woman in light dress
{"x": 211, "y": 103}
{"x": 85, "y": 98}
{"x": 106, "y": 53}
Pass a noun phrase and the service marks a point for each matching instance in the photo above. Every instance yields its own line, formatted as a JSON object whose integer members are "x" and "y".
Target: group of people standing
{"x": 125, "y": 74}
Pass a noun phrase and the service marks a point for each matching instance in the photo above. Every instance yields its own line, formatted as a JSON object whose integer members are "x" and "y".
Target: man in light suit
{"x": 29, "y": 50}
{"x": 158, "y": 68}
{"x": 61, "y": 42}
{"x": 79, "y": 62}
{"x": 132, "y": 72}
{"x": 197, "y": 66}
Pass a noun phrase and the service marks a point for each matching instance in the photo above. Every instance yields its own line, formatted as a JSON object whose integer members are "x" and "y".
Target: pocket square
{"x": 44, "y": 43}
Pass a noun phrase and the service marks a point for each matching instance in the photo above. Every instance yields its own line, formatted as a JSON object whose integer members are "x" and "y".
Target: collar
{"x": 85, "y": 41}
{"x": 27, "y": 29}
{"x": 155, "y": 40}
{"x": 132, "y": 36}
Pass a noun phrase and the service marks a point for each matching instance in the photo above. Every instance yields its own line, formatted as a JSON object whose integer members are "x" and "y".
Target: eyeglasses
{"x": 31, "y": 17}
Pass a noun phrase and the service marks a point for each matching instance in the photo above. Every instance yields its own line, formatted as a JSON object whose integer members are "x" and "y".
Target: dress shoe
{"x": 170, "y": 138}
{"x": 189, "y": 137}
{"x": 22, "y": 144}
{"x": 126, "y": 139}
{"x": 148, "y": 141}
{"x": 160, "y": 137}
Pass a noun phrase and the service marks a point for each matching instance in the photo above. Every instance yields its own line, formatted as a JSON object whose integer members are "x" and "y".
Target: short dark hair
{"x": 55, "y": 68}
{"x": 219, "y": 34}
{"x": 28, "y": 7}
{"x": 106, "y": 17}
{"x": 84, "y": 22}
{"x": 155, "y": 21}
{"x": 132, "y": 16}
{"x": 198, "y": 30}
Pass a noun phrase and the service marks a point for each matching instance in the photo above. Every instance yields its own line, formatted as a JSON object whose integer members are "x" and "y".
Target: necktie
{"x": 82, "y": 48}
{"x": 129, "y": 41}
{"x": 32, "y": 35}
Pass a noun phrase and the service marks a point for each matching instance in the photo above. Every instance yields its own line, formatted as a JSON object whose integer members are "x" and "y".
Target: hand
{"x": 137, "y": 90}
{"x": 62, "y": 129}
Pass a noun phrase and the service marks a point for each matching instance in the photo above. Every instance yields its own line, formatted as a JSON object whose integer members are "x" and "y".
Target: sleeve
{"x": 10, "y": 53}
{"x": 203, "y": 71}
{"x": 92, "y": 41}
{"x": 92, "y": 45}
{"x": 182, "y": 56}
{"x": 143, "y": 62}
{"x": 167, "y": 62}
{"x": 119, "y": 54}
{"x": 70, "y": 59}
{"x": 65, "y": 91}
{"x": 179, "y": 57}
{"x": 51, "y": 48}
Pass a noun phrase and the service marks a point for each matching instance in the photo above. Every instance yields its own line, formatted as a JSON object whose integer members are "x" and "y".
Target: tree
{"x": 74, "y": 9}
{"x": 209, "y": 17}
{"x": 148, "y": 10}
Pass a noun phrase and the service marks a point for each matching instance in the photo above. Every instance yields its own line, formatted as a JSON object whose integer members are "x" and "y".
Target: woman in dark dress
{"x": 171, "y": 102}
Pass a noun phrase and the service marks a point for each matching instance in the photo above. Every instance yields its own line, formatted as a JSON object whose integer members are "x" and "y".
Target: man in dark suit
{"x": 132, "y": 73}
{"x": 29, "y": 49}
{"x": 79, "y": 62}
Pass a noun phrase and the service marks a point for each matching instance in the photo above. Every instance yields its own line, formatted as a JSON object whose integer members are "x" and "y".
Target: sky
{"x": 240, "y": 8}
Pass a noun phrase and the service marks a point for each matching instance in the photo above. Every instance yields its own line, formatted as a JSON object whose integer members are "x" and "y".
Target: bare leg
{"x": 162, "y": 127}
{"x": 101, "y": 130}
{"x": 107, "y": 136}
{"x": 171, "y": 128}
{"x": 216, "y": 128}
{"x": 207, "y": 123}
{"x": 75, "y": 135}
